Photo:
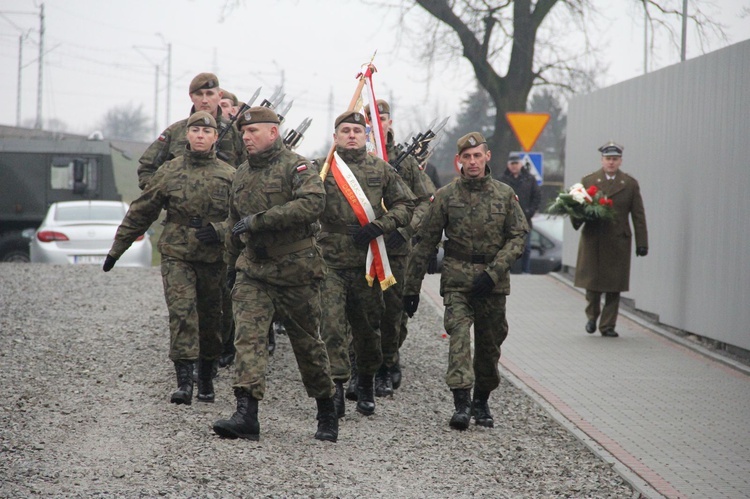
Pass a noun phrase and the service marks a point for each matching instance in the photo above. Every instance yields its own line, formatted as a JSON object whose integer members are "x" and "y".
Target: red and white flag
{"x": 375, "y": 123}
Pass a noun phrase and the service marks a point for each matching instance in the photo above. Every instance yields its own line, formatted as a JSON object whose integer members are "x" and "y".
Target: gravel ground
{"x": 85, "y": 413}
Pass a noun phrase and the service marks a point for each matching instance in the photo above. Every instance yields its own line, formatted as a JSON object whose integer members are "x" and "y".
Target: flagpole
{"x": 355, "y": 98}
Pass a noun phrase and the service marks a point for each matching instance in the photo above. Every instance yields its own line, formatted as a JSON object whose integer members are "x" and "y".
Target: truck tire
{"x": 15, "y": 252}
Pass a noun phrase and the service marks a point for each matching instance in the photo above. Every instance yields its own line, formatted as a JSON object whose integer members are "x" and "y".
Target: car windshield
{"x": 552, "y": 225}
{"x": 89, "y": 213}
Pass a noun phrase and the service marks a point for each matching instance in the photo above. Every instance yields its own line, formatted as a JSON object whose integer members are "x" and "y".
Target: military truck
{"x": 35, "y": 172}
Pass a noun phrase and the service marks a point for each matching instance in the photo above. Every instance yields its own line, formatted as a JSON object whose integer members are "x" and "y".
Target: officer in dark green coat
{"x": 194, "y": 190}
{"x": 393, "y": 328}
{"x": 486, "y": 231}
{"x": 347, "y": 296}
{"x": 275, "y": 267}
{"x": 603, "y": 265}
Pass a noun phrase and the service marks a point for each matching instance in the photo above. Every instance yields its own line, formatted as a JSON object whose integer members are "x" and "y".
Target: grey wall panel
{"x": 686, "y": 132}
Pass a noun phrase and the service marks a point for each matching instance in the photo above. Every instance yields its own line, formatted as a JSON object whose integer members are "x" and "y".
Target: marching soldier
{"x": 393, "y": 329}
{"x": 275, "y": 267}
{"x": 347, "y": 297}
{"x": 194, "y": 190}
{"x": 486, "y": 230}
{"x": 205, "y": 93}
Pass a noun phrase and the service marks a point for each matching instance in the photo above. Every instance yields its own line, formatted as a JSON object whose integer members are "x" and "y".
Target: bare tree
{"x": 126, "y": 123}
{"x": 511, "y": 48}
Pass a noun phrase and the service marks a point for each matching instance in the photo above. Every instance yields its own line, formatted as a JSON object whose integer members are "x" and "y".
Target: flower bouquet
{"x": 583, "y": 205}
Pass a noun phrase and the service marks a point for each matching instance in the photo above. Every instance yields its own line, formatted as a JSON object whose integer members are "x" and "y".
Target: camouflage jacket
{"x": 285, "y": 194}
{"x": 422, "y": 188}
{"x": 382, "y": 186}
{"x": 194, "y": 189}
{"x": 483, "y": 223}
{"x": 173, "y": 142}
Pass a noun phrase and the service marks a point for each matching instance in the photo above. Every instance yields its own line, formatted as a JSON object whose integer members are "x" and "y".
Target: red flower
{"x": 605, "y": 202}
{"x": 592, "y": 190}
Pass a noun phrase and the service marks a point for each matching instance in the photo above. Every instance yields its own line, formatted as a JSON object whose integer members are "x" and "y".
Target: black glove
{"x": 411, "y": 302}
{"x": 231, "y": 277}
{"x": 109, "y": 262}
{"x": 366, "y": 234}
{"x": 641, "y": 251}
{"x": 395, "y": 240}
{"x": 577, "y": 222}
{"x": 243, "y": 225}
{"x": 482, "y": 285}
{"x": 432, "y": 263}
{"x": 207, "y": 235}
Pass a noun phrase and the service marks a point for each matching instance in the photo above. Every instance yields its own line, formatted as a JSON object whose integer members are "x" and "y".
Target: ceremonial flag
{"x": 376, "y": 265}
{"x": 375, "y": 123}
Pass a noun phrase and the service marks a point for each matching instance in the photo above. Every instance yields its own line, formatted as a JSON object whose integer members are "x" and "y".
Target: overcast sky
{"x": 103, "y": 53}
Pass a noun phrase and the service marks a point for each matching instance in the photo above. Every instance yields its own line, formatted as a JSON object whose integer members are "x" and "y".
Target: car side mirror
{"x": 539, "y": 248}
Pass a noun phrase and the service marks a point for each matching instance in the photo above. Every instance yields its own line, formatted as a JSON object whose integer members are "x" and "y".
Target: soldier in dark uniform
{"x": 529, "y": 197}
{"x": 347, "y": 297}
{"x": 486, "y": 230}
{"x": 275, "y": 266}
{"x": 603, "y": 264}
{"x": 393, "y": 328}
{"x": 194, "y": 190}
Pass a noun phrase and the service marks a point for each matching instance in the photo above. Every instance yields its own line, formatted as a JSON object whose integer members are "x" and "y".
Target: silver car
{"x": 82, "y": 232}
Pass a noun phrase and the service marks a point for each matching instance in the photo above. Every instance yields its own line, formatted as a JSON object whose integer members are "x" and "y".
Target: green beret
{"x": 349, "y": 117}
{"x": 257, "y": 114}
{"x": 611, "y": 149}
{"x": 472, "y": 139}
{"x": 201, "y": 118}
{"x": 383, "y": 108}
{"x": 229, "y": 95}
{"x": 204, "y": 81}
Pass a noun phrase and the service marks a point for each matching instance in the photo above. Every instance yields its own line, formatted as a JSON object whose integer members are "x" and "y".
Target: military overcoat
{"x": 604, "y": 249}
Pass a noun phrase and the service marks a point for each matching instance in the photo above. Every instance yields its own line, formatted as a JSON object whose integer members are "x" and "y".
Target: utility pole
{"x": 645, "y": 39}
{"x": 38, "y": 124}
{"x": 156, "y": 102}
{"x": 169, "y": 80}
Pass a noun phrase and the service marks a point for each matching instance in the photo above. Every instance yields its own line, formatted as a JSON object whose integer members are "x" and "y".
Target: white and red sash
{"x": 377, "y": 264}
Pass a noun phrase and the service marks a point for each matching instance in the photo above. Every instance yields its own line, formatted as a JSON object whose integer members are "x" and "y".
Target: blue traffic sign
{"x": 534, "y": 162}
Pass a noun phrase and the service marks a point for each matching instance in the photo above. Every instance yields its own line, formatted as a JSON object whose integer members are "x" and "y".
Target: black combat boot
{"x": 365, "y": 396}
{"x": 328, "y": 421}
{"x": 205, "y": 380}
{"x": 244, "y": 422}
{"x": 396, "y": 375}
{"x": 184, "y": 393}
{"x": 338, "y": 399}
{"x": 462, "y": 403}
{"x": 383, "y": 382}
{"x": 480, "y": 409}
{"x": 351, "y": 388}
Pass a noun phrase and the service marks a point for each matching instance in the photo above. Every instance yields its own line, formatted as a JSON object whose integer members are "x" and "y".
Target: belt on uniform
{"x": 340, "y": 229}
{"x": 467, "y": 257}
{"x": 283, "y": 249}
{"x": 192, "y": 222}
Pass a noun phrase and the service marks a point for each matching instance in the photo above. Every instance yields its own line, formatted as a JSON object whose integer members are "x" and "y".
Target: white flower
{"x": 579, "y": 194}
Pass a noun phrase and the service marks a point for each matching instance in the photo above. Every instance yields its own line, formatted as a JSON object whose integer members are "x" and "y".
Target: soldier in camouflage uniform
{"x": 486, "y": 231}
{"x": 393, "y": 329}
{"x": 275, "y": 266}
{"x": 346, "y": 295}
{"x": 194, "y": 189}
{"x": 206, "y": 95}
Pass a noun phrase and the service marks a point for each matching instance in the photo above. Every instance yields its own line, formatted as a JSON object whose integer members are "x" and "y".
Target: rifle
{"x": 294, "y": 137}
{"x": 420, "y": 143}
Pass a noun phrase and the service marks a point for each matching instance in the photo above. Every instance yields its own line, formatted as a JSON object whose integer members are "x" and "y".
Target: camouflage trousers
{"x": 193, "y": 295}
{"x": 490, "y": 330}
{"x": 347, "y": 300}
{"x": 254, "y": 304}
{"x": 227, "y": 318}
{"x": 393, "y": 324}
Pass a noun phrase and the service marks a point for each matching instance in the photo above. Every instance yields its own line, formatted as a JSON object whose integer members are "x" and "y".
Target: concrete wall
{"x": 686, "y": 132}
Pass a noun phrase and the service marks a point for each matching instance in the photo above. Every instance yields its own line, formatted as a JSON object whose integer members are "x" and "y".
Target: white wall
{"x": 686, "y": 133}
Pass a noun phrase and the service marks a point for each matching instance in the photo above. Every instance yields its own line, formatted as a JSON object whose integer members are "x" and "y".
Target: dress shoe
{"x": 610, "y": 333}
{"x": 591, "y": 326}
